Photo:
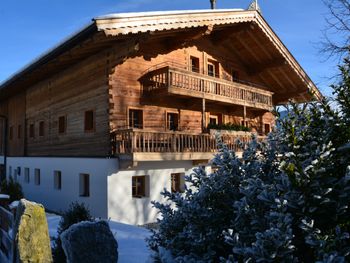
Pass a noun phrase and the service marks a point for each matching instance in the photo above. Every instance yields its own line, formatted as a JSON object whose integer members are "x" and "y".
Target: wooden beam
{"x": 274, "y": 63}
{"x": 204, "y": 122}
{"x": 184, "y": 39}
{"x": 222, "y": 36}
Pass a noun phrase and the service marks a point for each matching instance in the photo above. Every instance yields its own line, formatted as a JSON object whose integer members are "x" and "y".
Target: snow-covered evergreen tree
{"x": 285, "y": 200}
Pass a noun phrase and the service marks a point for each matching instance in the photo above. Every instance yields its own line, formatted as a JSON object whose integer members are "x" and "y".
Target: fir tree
{"x": 285, "y": 200}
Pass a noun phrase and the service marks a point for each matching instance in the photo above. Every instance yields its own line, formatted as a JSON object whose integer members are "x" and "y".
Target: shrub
{"x": 76, "y": 213}
{"x": 11, "y": 188}
{"x": 229, "y": 127}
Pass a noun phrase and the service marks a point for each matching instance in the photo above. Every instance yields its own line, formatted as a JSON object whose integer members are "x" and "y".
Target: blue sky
{"x": 32, "y": 27}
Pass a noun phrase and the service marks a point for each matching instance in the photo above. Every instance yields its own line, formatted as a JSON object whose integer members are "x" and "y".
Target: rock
{"x": 31, "y": 233}
{"x": 89, "y": 242}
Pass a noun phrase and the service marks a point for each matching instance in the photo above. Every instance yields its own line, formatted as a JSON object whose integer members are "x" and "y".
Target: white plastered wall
{"x": 123, "y": 207}
{"x": 110, "y": 189}
{"x": 59, "y": 200}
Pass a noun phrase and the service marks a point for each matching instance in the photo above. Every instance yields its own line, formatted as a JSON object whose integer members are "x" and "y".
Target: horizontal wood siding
{"x": 16, "y": 121}
{"x": 70, "y": 93}
{"x": 126, "y": 91}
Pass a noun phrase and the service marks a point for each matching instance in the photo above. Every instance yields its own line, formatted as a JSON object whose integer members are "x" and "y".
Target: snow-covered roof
{"x": 164, "y": 13}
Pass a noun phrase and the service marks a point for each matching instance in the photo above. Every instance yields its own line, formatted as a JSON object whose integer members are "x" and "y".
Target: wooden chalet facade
{"x": 136, "y": 89}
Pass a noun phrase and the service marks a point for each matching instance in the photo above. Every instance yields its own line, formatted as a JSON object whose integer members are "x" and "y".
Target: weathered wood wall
{"x": 126, "y": 92}
{"x": 70, "y": 93}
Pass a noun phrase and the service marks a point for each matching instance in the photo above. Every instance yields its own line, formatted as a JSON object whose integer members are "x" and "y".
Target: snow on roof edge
{"x": 165, "y": 13}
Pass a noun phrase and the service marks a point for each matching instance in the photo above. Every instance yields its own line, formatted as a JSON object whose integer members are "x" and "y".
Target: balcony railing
{"x": 186, "y": 83}
{"x": 137, "y": 141}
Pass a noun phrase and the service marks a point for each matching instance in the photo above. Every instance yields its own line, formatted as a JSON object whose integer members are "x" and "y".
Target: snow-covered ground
{"x": 131, "y": 240}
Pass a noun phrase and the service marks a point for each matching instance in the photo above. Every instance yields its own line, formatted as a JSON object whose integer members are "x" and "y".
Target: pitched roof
{"x": 114, "y": 26}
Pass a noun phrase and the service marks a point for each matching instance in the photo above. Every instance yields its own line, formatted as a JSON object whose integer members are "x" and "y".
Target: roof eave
{"x": 64, "y": 46}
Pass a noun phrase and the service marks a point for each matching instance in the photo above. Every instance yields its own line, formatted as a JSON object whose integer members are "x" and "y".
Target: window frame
{"x": 90, "y": 129}
{"x": 57, "y": 180}
{"x": 19, "y": 131}
{"x": 11, "y": 133}
{"x": 84, "y": 185}
{"x": 142, "y": 118}
{"x": 41, "y": 132}
{"x": 27, "y": 175}
{"x": 167, "y": 127}
{"x": 177, "y": 182}
{"x": 37, "y": 176}
{"x": 64, "y": 124}
{"x": 192, "y": 65}
{"x": 31, "y": 130}
{"x": 134, "y": 181}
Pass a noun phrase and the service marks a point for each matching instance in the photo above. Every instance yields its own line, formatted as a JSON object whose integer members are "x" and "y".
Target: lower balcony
{"x": 140, "y": 145}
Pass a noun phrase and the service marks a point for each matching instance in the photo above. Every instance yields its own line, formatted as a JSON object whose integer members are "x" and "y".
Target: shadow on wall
{"x": 123, "y": 207}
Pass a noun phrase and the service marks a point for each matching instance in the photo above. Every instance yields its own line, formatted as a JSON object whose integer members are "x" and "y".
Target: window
{"x": 10, "y": 170}
{"x": 11, "y": 133}
{"x": 84, "y": 185}
{"x": 89, "y": 122}
{"x": 267, "y": 128}
{"x": 26, "y": 175}
{"x": 37, "y": 176}
{"x": 235, "y": 75}
{"x": 62, "y": 124}
{"x": 135, "y": 118}
{"x": 177, "y": 183}
{"x": 31, "y": 130}
{"x": 41, "y": 128}
{"x": 194, "y": 64}
{"x": 172, "y": 120}
{"x": 245, "y": 123}
{"x": 138, "y": 186}
{"x": 19, "y": 131}
{"x": 57, "y": 178}
{"x": 215, "y": 119}
{"x": 213, "y": 68}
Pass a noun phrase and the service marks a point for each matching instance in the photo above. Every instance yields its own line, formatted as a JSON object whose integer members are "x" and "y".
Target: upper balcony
{"x": 170, "y": 80}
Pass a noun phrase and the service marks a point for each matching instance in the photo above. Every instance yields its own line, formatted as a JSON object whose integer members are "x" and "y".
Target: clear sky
{"x": 31, "y": 27}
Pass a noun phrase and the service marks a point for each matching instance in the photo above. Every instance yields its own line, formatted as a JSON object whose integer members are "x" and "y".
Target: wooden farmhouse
{"x": 130, "y": 104}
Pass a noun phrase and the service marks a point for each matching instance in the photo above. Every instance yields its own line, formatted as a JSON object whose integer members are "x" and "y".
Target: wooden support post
{"x": 204, "y": 124}
{"x": 244, "y": 115}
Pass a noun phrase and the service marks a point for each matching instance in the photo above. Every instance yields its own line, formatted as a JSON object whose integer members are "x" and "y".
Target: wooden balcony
{"x": 139, "y": 145}
{"x": 181, "y": 82}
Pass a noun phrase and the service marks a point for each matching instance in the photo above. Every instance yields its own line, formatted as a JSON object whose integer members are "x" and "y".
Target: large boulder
{"x": 89, "y": 242}
{"x": 31, "y": 233}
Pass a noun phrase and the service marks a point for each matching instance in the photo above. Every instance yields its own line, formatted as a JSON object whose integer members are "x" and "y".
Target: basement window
{"x": 37, "y": 178}
{"x": 84, "y": 185}
{"x": 177, "y": 182}
{"x": 26, "y": 175}
{"x": 139, "y": 186}
{"x": 62, "y": 124}
{"x": 57, "y": 177}
{"x": 89, "y": 121}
